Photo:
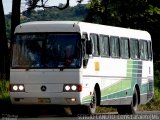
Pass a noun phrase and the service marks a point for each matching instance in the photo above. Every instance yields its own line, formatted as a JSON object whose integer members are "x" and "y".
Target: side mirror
{"x": 89, "y": 47}
{"x": 85, "y": 62}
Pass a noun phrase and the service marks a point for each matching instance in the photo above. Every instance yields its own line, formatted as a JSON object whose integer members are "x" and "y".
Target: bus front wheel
{"x": 91, "y": 109}
{"x": 93, "y": 103}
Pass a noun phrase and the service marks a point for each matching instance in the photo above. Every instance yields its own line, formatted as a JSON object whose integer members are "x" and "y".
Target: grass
{"x": 154, "y": 104}
{"x": 105, "y": 109}
{"x": 4, "y": 90}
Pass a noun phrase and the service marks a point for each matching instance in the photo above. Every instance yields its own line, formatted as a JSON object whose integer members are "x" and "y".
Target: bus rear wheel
{"x": 129, "y": 109}
{"x": 134, "y": 104}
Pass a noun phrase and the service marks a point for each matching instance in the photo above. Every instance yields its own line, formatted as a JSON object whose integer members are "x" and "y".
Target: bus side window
{"x": 124, "y": 48}
{"x": 114, "y": 47}
{"x": 95, "y": 40}
{"x": 104, "y": 45}
{"x": 84, "y": 52}
{"x": 150, "y": 50}
{"x": 143, "y": 49}
{"x": 134, "y": 48}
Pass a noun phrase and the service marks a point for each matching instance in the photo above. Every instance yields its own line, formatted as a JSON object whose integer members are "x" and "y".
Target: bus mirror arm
{"x": 85, "y": 62}
{"x": 83, "y": 39}
{"x": 89, "y": 47}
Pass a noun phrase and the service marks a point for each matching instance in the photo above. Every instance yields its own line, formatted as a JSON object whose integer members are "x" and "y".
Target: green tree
{"x": 15, "y": 17}
{"x": 139, "y": 14}
{"x": 32, "y": 4}
{"x": 3, "y": 45}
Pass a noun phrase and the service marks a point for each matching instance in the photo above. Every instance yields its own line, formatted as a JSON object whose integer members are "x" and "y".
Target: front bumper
{"x": 63, "y": 98}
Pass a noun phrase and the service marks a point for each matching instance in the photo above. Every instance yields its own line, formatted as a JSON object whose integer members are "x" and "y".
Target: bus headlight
{"x": 17, "y": 88}
{"x": 21, "y": 87}
{"x": 67, "y": 87}
{"x": 72, "y": 88}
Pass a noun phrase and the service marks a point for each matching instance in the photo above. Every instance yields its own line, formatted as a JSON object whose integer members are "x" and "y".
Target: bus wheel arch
{"x": 132, "y": 108}
{"x": 138, "y": 92}
{"x": 95, "y": 99}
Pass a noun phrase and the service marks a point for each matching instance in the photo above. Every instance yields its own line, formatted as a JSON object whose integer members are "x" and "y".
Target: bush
{"x": 157, "y": 79}
{"x": 4, "y": 90}
{"x": 154, "y": 104}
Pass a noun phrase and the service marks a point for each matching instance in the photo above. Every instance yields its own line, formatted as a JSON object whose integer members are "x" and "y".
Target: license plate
{"x": 44, "y": 100}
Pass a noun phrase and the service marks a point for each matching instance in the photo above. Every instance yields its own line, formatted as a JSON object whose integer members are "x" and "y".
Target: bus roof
{"x": 76, "y": 26}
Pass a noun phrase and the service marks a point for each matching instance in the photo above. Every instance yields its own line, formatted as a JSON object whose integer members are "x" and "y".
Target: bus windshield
{"x": 46, "y": 51}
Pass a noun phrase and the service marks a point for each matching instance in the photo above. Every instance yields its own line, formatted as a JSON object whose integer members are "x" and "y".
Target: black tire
{"x": 134, "y": 104}
{"x": 129, "y": 109}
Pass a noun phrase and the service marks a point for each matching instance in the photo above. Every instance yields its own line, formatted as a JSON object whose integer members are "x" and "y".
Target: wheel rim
{"x": 93, "y": 103}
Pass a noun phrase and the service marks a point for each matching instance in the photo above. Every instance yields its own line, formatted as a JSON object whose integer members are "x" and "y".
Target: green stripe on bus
{"x": 144, "y": 88}
{"x": 117, "y": 95}
{"x": 114, "y": 88}
{"x": 86, "y": 98}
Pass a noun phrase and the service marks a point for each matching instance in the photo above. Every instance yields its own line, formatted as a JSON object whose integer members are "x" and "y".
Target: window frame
{"x": 150, "y": 51}
{"x": 95, "y": 52}
{"x": 101, "y": 38}
{"x": 128, "y": 51}
{"x": 134, "y": 39}
{"x": 118, "y": 50}
{"x": 143, "y": 57}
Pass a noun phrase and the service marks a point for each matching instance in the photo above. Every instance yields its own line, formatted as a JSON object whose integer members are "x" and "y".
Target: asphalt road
{"x": 147, "y": 115}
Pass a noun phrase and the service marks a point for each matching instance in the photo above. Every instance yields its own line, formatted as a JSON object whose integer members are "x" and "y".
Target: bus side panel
{"x": 117, "y": 87}
{"x": 147, "y": 86}
{"x": 111, "y": 75}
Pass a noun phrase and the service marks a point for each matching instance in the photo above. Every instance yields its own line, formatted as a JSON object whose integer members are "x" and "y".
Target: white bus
{"x": 81, "y": 65}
